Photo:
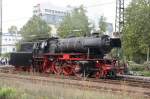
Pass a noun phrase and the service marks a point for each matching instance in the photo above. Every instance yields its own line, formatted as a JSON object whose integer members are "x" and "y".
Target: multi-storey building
{"x": 109, "y": 29}
{"x": 9, "y": 41}
{"x": 51, "y": 14}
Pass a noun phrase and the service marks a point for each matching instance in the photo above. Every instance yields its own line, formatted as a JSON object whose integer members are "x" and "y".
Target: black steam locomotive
{"x": 70, "y": 56}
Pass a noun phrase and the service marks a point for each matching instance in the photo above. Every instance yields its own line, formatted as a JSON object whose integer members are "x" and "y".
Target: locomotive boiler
{"x": 79, "y": 56}
{"x": 91, "y": 45}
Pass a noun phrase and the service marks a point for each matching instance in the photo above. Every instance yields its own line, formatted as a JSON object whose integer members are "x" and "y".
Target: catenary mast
{"x": 119, "y": 20}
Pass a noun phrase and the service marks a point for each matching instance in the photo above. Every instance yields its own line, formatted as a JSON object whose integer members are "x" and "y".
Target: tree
{"x": 102, "y": 25}
{"x": 65, "y": 27}
{"x": 136, "y": 32}
{"x": 35, "y": 27}
{"x": 13, "y": 29}
{"x": 76, "y": 23}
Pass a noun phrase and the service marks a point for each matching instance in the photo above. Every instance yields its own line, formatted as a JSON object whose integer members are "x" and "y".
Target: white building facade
{"x": 51, "y": 14}
{"x": 9, "y": 41}
{"x": 109, "y": 29}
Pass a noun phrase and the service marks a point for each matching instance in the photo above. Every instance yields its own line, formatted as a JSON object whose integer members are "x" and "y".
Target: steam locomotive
{"x": 73, "y": 56}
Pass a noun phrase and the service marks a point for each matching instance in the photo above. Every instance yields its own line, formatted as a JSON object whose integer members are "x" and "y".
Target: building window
{"x": 14, "y": 50}
{"x": 53, "y": 11}
{"x": 3, "y": 49}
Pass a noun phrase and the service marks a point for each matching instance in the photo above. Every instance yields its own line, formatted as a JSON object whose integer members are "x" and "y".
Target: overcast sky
{"x": 17, "y": 12}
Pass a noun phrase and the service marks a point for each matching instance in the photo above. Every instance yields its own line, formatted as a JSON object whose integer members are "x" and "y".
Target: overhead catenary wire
{"x": 21, "y": 18}
{"x": 104, "y": 4}
{"x": 101, "y": 4}
{"x": 88, "y": 7}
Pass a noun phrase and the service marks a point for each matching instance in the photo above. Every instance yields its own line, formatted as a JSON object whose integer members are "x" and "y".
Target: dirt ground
{"x": 39, "y": 90}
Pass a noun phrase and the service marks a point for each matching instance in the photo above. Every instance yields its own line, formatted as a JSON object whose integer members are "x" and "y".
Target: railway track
{"x": 111, "y": 85}
{"x": 136, "y": 81}
{"x": 143, "y": 83}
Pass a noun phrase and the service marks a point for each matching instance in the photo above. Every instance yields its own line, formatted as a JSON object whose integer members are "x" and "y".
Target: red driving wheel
{"x": 67, "y": 70}
{"x": 57, "y": 68}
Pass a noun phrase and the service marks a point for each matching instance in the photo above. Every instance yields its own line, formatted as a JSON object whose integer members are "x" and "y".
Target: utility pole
{"x": 0, "y": 26}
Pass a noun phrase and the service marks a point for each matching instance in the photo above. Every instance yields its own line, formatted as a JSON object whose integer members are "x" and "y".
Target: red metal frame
{"x": 66, "y": 68}
{"x": 63, "y": 64}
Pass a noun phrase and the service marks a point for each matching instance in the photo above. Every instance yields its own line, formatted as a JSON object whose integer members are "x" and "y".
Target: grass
{"x": 7, "y": 93}
{"x": 144, "y": 73}
{"x": 21, "y": 89}
{"x": 140, "y": 69}
{"x": 10, "y": 93}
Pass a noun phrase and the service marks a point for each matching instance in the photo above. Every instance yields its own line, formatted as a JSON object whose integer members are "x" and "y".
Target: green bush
{"x": 8, "y": 93}
{"x": 146, "y": 73}
{"x": 142, "y": 69}
{"x": 135, "y": 67}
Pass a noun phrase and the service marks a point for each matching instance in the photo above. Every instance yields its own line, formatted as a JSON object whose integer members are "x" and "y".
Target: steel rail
{"x": 81, "y": 83}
